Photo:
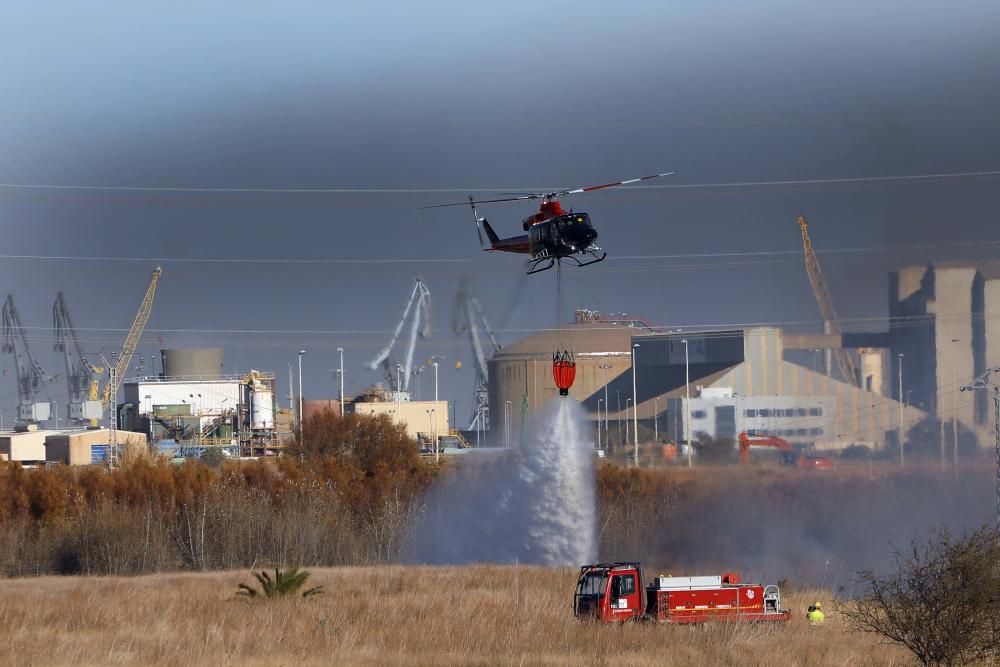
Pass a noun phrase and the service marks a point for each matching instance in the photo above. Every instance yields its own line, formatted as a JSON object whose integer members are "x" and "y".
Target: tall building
{"x": 945, "y": 321}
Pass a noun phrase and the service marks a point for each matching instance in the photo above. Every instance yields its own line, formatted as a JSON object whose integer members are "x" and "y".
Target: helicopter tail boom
{"x": 490, "y": 234}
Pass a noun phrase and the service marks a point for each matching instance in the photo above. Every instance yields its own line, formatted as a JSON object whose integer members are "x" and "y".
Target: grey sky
{"x": 456, "y": 95}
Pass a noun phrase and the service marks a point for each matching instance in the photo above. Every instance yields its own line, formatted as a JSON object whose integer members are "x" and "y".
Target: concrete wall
{"x": 991, "y": 318}
{"x": 27, "y": 447}
{"x": 203, "y": 397}
{"x": 417, "y": 416}
{"x": 192, "y": 362}
{"x": 955, "y": 338}
{"x": 312, "y": 407}
{"x": 936, "y": 322}
{"x": 75, "y": 448}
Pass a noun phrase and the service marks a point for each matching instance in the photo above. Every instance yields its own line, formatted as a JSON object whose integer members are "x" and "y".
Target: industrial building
{"x": 738, "y": 380}
{"x": 26, "y": 447}
{"x": 741, "y": 381}
{"x": 423, "y": 420}
{"x": 69, "y": 446}
{"x": 89, "y": 447}
{"x": 195, "y": 405}
{"x": 944, "y": 319}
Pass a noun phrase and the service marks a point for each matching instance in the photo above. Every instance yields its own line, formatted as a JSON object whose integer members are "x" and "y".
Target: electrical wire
{"x": 355, "y": 189}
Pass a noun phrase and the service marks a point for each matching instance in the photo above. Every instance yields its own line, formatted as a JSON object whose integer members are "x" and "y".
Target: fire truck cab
{"x": 614, "y": 593}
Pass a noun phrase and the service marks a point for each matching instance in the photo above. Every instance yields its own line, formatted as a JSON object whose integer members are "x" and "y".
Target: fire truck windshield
{"x": 592, "y": 583}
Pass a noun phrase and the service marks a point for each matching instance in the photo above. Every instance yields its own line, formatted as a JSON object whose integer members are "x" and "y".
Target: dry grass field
{"x": 392, "y": 615}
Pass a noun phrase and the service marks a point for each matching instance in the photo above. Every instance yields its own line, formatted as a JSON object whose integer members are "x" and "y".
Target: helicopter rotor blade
{"x": 485, "y": 201}
{"x": 552, "y": 195}
{"x": 591, "y": 188}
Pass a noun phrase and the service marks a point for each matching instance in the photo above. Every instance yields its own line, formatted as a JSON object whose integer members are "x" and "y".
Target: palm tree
{"x": 285, "y": 583}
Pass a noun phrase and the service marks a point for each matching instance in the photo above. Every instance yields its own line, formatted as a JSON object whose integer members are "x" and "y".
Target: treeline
{"x": 342, "y": 496}
{"x": 348, "y": 492}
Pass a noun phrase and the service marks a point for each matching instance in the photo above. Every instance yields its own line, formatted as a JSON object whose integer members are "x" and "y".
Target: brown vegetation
{"x": 388, "y": 615}
{"x": 348, "y": 492}
{"x": 346, "y": 504}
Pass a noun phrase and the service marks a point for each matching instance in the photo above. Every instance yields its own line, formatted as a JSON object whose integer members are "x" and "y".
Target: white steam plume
{"x": 534, "y": 506}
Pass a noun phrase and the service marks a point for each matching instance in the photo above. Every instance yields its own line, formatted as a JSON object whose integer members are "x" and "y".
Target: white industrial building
{"x": 741, "y": 381}
{"x": 195, "y": 405}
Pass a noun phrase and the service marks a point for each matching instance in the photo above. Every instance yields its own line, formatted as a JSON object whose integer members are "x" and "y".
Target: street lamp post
{"x": 984, "y": 382}
{"x": 901, "y": 397}
{"x": 954, "y": 410}
{"x": 149, "y": 399}
{"x": 627, "y": 401}
{"x": 507, "y": 405}
{"x": 599, "y": 401}
{"x": 687, "y": 401}
{"x": 340, "y": 351}
{"x": 605, "y": 367}
{"x": 435, "y": 382}
{"x": 432, "y": 420}
{"x": 301, "y": 352}
{"x": 618, "y": 418}
{"x": 635, "y": 410}
{"x": 656, "y": 425}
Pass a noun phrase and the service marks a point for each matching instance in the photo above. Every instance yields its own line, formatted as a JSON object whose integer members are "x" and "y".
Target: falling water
{"x": 535, "y": 505}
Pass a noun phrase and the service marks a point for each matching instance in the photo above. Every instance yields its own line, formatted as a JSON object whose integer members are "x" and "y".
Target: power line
{"x": 355, "y": 189}
{"x": 705, "y": 330}
{"x": 457, "y": 260}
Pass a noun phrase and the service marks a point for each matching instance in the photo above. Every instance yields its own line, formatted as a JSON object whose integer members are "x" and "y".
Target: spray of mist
{"x": 535, "y": 505}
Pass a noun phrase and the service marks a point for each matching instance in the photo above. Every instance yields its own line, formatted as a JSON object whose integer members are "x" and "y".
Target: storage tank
{"x": 262, "y": 409}
{"x": 192, "y": 363}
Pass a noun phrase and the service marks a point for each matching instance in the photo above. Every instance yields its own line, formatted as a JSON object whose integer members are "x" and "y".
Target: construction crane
{"x": 30, "y": 375}
{"x": 131, "y": 342}
{"x": 81, "y": 377}
{"x": 397, "y": 376}
{"x": 468, "y": 318}
{"x": 831, "y": 325}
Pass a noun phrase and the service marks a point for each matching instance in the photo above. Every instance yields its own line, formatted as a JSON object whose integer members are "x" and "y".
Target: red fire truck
{"x": 614, "y": 593}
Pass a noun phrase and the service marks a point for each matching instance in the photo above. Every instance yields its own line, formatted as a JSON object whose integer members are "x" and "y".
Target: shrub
{"x": 941, "y": 602}
{"x": 213, "y": 457}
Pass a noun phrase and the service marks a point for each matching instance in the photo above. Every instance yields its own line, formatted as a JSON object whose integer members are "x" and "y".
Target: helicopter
{"x": 553, "y": 234}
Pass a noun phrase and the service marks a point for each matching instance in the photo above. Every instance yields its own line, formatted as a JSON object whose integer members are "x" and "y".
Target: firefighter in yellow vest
{"x": 815, "y": 615}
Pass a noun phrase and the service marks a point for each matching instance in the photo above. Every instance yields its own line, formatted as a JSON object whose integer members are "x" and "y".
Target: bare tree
{"x": 941, "y": 601}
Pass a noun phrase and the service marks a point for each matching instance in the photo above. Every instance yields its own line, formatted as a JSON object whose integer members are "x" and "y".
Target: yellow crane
{"x": 128, "y": 349}
{"x": 831, "y": 325}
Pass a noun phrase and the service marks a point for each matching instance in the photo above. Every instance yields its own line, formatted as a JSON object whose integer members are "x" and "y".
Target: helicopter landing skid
{"x": 544, "y": 262}
{"x": 535, "y": 262}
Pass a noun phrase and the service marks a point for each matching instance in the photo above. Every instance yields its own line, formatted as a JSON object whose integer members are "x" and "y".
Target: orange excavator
{"x": 789, "y": 455}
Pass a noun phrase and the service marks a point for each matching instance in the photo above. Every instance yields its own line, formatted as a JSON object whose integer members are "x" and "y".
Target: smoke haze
{"x": 810, "y": 528}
